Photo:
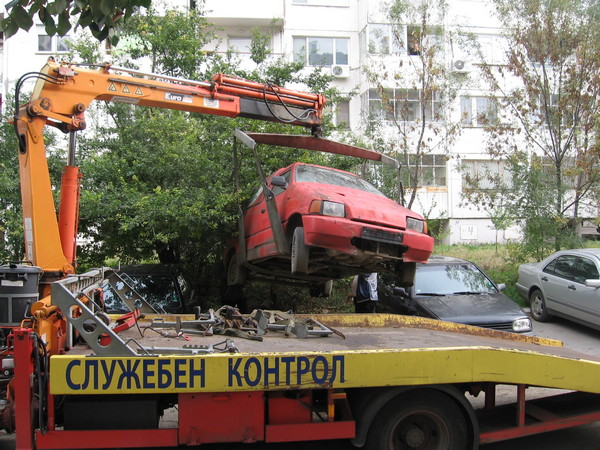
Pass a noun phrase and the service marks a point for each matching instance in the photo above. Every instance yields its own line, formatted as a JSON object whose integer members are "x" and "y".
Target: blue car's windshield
{"x": 311, "y": 174}
{"x": 449, "y": 279}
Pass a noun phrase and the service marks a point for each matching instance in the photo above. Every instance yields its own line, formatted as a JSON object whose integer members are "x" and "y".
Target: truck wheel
{"x": 236, "y": 274}
{"x": 538, "y": 306}
{"x": 406, "y": 274}
{"x": 300, "y": 252}
{"x": 419, "y": 421}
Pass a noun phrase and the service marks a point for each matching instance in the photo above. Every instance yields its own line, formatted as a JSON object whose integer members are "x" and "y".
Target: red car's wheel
{"x": 300, "y": 252}
{"x": 236, "y": 274}
{"x": 321, "y": 289}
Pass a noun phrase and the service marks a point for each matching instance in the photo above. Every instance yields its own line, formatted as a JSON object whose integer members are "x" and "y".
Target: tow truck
{"x": 74, "y": 380}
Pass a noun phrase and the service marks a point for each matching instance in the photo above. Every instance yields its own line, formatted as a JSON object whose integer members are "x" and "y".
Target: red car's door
{"x": 259, "y": 236}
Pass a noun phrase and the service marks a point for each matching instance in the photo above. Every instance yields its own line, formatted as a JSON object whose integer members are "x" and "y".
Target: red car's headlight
{"x": 327, "y": 208}
{"x": 416, "y": 225}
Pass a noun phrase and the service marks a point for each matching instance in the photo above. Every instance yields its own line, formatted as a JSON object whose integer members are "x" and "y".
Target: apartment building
{"x": 344, "y": 37}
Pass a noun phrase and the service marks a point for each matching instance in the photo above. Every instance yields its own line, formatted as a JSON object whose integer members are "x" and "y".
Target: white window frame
{"x": 58, "y": 44}
{"x": 483, "y": 169}
{"x": 478, "y": 111}
{"x": 233, "y": 45}
{"x": 409, "y": 99}
{"x": 433, "y": 170}
{"x": 302, "y": 46}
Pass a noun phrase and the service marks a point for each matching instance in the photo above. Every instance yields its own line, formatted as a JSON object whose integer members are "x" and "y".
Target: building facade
{"x": 343, "y": 37}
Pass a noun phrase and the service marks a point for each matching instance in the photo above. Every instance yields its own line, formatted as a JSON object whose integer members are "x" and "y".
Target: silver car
{"x": 566, "y": 284}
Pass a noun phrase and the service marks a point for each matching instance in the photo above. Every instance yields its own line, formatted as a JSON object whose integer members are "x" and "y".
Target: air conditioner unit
{"x": 461, "y": 66}
{"x": 340, "y": 71}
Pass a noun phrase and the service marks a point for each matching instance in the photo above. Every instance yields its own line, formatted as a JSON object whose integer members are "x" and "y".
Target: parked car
{"x": 328, "y": 224}
{"x": 159, "y": 284}
{"x": 565, "y": 284}
{"x": 455, "y": 290}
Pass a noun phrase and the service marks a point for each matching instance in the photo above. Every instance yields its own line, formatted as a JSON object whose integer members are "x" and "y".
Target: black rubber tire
{"x": 538, "y": 306}
{"x": 321, "y": 289}
{"x": 419, "y": 420}
{"x": 406, "y": 272}
{"x": 236, "y": 274}
{"x": 300, "y": 252}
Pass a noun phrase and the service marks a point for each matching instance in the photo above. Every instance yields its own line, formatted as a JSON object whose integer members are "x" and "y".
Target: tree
{"x": 11, "y": 221}
{"x": 549, "y": 90}
{"x": 159, "y": 184}
{"x": 58, "y": 17}
{"x": 415, "y": 94}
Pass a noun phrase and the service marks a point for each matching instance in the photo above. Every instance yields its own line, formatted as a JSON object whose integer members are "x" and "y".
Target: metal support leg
{"x": 521, "y": 405}
{"x": 23, "y": 348}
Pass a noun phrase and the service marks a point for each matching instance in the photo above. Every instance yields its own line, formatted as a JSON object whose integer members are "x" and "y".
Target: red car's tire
{"x": 321, "y": 289}
{"x": 300, "y": 252}
{"x": 236, "y": 274}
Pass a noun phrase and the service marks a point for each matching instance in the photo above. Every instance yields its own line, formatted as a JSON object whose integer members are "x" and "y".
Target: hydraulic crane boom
{"x": 60, "y": 98}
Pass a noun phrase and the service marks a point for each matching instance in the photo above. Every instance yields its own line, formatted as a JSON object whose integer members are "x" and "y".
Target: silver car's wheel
{"x": 538, "y": 306}
{"x": 300, "y": 252}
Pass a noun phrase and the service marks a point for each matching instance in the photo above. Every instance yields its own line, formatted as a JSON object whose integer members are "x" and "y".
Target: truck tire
{"x": 236, "y": 274}
{"x": 300, "y": 252}
{"x": 419, "y": 420}
{"x": 538, "y": 306}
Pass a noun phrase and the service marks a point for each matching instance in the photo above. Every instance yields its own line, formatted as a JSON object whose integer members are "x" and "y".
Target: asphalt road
{"x": 585, "y": 437}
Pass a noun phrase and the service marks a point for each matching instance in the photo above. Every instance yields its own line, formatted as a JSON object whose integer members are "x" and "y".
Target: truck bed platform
{"x": 376, "y": 350}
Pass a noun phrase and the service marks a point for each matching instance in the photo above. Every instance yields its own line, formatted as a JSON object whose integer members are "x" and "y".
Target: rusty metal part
{"x": 321, "y": 145}
{"x": 289, "y": 324}
{"x": 226, "y": 346}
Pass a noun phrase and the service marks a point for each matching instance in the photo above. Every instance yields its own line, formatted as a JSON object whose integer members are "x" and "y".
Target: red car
{"x": 326, "y": 224}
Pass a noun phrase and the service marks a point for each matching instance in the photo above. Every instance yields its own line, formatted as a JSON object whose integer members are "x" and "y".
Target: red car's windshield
{"x": 312, "y": 174}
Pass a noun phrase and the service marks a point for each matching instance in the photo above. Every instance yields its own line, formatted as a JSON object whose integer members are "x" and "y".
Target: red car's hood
{"x": 360, "y": 205}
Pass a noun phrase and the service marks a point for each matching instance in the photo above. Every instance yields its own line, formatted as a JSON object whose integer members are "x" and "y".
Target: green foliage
{"x": 171, "y": 41}
{"x": 553, "y": 54}
{"x": 160, "y": 185}
{"x": 11, "y": 222}
{"x": 59, "y": 16}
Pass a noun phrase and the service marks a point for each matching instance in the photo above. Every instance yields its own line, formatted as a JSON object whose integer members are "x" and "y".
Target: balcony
{"x": 243, "y": 12}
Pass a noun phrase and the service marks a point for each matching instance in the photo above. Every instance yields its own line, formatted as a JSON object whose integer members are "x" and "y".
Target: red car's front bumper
{"x": 342, "y": 235}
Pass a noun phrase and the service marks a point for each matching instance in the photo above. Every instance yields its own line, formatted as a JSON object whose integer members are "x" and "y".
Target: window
{"x": 342, "y": 114}
{"x": 240, "y": 44}
{"x": 321, "y": 51}
{"x": 313, "y": 174}
{"x": 486, "y": 175}
{"x": 562, "y": 266}
{"x": 432, "y": 171}
{"x": 278, "y": 189}
{"x": 409, "y": 105}
{"x": 585, "y": 270}
{"x": 485, "y": 109}
{"x": 413, "y": 39}
{"x": 547, "y": 166}
{"x": 387, "y": 39}
{"x": 52, "y": 44}
{"x": 554, "y": 110}
{"x": 383, "y": 39}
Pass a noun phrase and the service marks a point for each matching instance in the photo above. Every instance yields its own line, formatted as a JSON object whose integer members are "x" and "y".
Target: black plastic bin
{"x": 18, "y": 291}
